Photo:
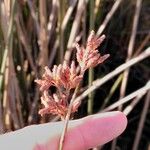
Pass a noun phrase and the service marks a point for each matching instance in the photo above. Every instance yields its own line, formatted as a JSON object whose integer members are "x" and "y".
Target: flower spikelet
{"x": 69, "y": 76}
{"x": 61, "y": 76}
{"x": 46, "y": 80}
{"x": 90, "y": 57}
{"x": 53, "y": 104}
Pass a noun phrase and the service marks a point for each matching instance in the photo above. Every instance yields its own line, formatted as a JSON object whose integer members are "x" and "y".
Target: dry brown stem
{"x": 130, "y": 52}
{"x": 43, "y": 36}
{"x": 141, "y": 91}
{"x": 131, "y": 47}
{"x": 130, "y": 107}
{"x": 108, "y": 17}
{"x": 75, "y": 27}
{"x": 141, "y": 122}
{"x": 23, "y": 38}
{"x": 52, "y": 19}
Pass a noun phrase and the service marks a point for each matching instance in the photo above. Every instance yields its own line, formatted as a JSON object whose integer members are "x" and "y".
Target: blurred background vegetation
{"x": 37, "y": 33}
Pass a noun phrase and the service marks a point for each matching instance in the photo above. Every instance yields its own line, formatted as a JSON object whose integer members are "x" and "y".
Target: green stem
{"x": 91, "y": 71}
{"x": 92, "y": 20}
{"x": 61, "y": 33}
{"x": 112, "y": 90}
{"x": 91, "y": 95}
{"x": 8, "y": 43}
{"x": 8, "y": 47}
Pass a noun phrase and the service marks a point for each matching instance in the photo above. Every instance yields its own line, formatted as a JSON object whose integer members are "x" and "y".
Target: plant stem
{"x": 129, "y": 97}
{"x": 8, "y": 46}
{"x": 62, "y": 138}
{"x": 91, "y": 70}
{"x": 141, "y": 122}
{"x": 61, "y": 34}
{"x": 109, "y": 16}
{"x": 112, "y": 91}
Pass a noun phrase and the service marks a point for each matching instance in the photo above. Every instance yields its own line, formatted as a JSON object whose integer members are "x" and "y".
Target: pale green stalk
{"x": 112, "y": 90}
{"x": 91, "y": 70}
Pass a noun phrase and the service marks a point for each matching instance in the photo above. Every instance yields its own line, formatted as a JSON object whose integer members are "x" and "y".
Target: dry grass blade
{"x": 68, "y": 15}
{"x": 23, "y": 38}
{"x": 142, "y": 45}
{"x": 112, "y": 91}
{"x": 6, "y": 108}
{"x": 141, "y": 91}
{"x": 75, "y": 28}
{"x": 108, "y": 17}
{"x": 63, "y": 27}
{"x": 130, "y": 52}
{"x": 34, "y": 16}
{"x": 9, "y": 13}
{"x": 43, "y": 36}
{"x": 12, "y": 99}
{"x": 141, "y": 122}
{"x": 4, "y": 24}
{"x": 4, "y": 16}
{"x": 1, "y": 120}
{"x": 131, "y": 46}
{"x": 18, "y": 102}
{"x": 53, "y": 53}
{"x": 76, "y": 23}
{"x": 130, "y": 107}
{"x": 33, "y": 107}
{"x": 52, "y": 19}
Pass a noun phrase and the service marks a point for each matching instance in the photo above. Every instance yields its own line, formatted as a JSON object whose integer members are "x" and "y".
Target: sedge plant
{"x": 66, "y": 78}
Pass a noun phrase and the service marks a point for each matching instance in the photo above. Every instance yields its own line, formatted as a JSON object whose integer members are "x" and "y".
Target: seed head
{"x": 90, "y": 57}
{"x": 66, "y": 77}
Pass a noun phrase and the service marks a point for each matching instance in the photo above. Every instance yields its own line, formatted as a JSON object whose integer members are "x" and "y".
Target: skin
{"x": 82, "y": 134}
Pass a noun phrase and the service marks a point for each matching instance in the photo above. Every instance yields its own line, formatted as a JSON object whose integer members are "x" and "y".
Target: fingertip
{"x": 114, "y": 117}
{"x": 103, "y": 127}
{"x": 122, "y": 119}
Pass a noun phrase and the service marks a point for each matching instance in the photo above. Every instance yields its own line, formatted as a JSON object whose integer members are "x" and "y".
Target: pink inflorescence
{"x": 61, "y": 76}
{"x": 66, "y": 77}
{"x": 90, "y": 57}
